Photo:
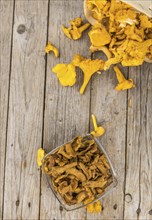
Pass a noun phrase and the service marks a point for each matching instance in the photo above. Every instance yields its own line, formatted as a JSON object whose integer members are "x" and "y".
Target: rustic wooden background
{"x": 36, "y": 111}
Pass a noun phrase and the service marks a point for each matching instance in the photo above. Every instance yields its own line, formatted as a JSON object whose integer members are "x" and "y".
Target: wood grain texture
{"x": 22, "y": 178}
{"x": 109, "y": 106}
{"x": 138, "y": 190}
{"x": 5, "y": 61}
{"x": 66, "y": 111}
{"x": 43, "y": 113}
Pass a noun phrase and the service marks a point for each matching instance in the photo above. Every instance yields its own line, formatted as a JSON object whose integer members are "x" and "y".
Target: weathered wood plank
{"x": 66, "y": 111}
{"x": 138, "y": 190}
{"x": 110, "y": 108}
{"x": 22, "y": 179}
{"x": 5, "y": 48}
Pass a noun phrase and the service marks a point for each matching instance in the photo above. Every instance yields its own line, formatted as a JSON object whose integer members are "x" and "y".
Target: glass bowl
{"x": 107, "y": 190}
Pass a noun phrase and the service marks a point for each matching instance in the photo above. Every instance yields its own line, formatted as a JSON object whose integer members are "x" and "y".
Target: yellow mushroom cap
{"x": 77, "y": 59}
{"x": 76, "y": 22}
{"x": 123, "y": 82}
{"x": 66, "y": 31}
{"x": 66, "y": 74}
{"x": 89, "y": 67}
{"x": 52, "y": 48}
{"x": 127, "y": 84}
{"x": 145, "y": 22}
{"x": 99, "y": 132}
{"x": 75, "y": 30}
{"x": 99, "y": 35}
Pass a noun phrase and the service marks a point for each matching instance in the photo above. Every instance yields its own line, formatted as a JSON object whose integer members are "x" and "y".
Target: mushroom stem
{"x": 83, "y": 27}
{"x": 120, "y": 76}
{"x": 104, "y": 49}
{"x": 94, "y": 122}
{"x": 85, "y": 83}
{"x": 113, "y": 60}
{"x": 123, "y": 82}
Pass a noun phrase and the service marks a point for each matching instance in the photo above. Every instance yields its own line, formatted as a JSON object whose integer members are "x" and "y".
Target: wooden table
{"x": 36, "y": 111}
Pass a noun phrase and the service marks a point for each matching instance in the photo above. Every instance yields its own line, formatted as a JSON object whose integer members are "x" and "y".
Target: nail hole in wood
{"x": 17, "y": 202}
{"x": 21, "y": 29}
{"x": 115, "y": 206}
{"x": 29, "y": 204}
{"x": 11, "y": 145}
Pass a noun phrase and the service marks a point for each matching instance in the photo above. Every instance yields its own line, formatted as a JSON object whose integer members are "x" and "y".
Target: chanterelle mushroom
{"x": 98, "y": 130}
{"x": 123, "y": 82}
{"x": 89, "y": 67}
{"x": 76, "y": 29}
{"x": 52, "y": 48}
{"x": 99, "y": 35}
{"x": 123, "y": 25}
{"x": 65, "y": 73}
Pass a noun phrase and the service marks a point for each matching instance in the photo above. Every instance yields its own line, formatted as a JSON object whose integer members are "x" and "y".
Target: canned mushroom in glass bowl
{"x": 79, "y": 172}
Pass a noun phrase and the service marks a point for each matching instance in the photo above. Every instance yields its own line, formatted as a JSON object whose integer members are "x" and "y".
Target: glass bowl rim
{"x": 113, "y": 184}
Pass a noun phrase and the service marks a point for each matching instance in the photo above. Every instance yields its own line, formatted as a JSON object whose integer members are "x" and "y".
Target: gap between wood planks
{"x": 22, "y": 9}
{"x": 126, "y": 138}
{"x": 9, "y": 78}
{"x": 44, "y": 99}
{"x": 59, "y": 107}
